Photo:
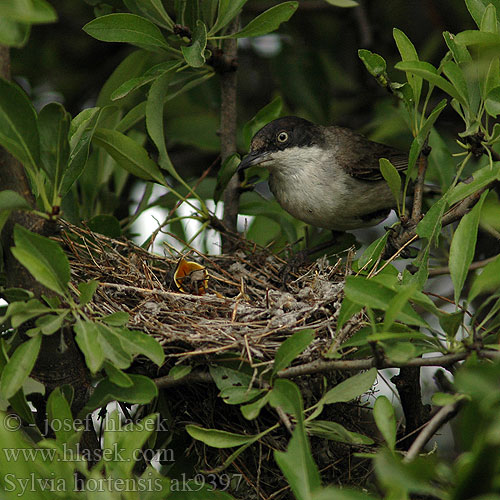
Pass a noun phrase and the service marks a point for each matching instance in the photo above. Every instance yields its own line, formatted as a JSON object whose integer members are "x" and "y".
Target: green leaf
{"x": 239, "y": 395}
{"x": 82, "y": 129}
{"x": 343, "y": 3}
{"x": 28, "y": 11}
{"x": 383, "y": 413}
{"x": 492, "y": 79}
{"x": 404, "y": 294}
{"x": 179, "y": 371}
{"x": 87, "y": 291}
{"x": 60, "y": 416}
{"x": 392, "y": 177}
{"x": 430, "y": 226}
{"x": 150, "y": 75}
{"x": 400, "y": 352}
{"x": 371, "y": 254}
{"x": 351, "y": 388}
{"x": 297, "y": 463}
{"x": 13, "y": 33}
{"x": 217, "y": 438}
{"x": 154, "y": 11}
{"x": 374, "y": 63}
{"x": 492, "y": 102}
{"x": 489, "y": 20}
{"x": 87, "y": 337}
{"x": 463, "y": 246}
{"x": 291, "y": 348}
{"x": 476, "y": 9}
{"x": 347, "y": 310}
{"x": 128, "y": 28}
{"x": 474, "y": 37}
{"x": 105, "y": 224}
{"x": 154, "y": 119}
{"x": 43, "y": 258}
{"x": 268, "y": 21}
{"x": 459, "y": 51}
{"x": 287, "y": 395}
{"x": 480, "y": 179}
{"x": 252, "y": 410}
{"x": 194, "y": 54}
{"x": 116, "y": 376}
{"x": 18, "y": 125}
{"x": 53, "y": 125}
{"x": 228, "y": 10}
{"x": 19, "y": 367}
{"x": 142, "y": 391}
{"x": 420, "y": 140}
{"x": 428, "y": 72}
{"x": 486, "y": 282}
{"x": 265, "y": 115}
{"x": 340, "y": 493}
{"x": 51, "y": 323}
{"x": 450, "y": 323}
{"x": 118, "y": 318}
{"x": 128, "y": 154}
{"x": 454, "y": 73}
{"x": 137, "y": 342}
{"x": 20, "y": 312}
{"x": 10, "y": 200}
{"x": 408, "y": 53}
{"x": 367, "y": 292}
{"x": 336, "y": 432}
{"x": 226, "y": 172}
{"x": 112, "y": 346}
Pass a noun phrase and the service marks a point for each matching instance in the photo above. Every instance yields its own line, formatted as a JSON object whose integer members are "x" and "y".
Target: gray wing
{"x": 361, "y": 158}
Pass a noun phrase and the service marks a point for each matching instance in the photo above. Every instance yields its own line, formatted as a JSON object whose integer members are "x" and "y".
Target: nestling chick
{"x": 326, "y": 176}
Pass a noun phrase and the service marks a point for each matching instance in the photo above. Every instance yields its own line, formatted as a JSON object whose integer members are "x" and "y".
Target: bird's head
{"x": 280, "y": 141}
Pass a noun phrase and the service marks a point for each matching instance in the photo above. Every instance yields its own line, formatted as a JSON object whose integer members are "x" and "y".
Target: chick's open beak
{"x": 253, "y": 158}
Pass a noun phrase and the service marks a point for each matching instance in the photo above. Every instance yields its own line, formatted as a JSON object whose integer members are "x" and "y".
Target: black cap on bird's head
{"x": 280, "y": 134}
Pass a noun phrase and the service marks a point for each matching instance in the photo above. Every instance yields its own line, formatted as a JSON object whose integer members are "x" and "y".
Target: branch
{"x": 407, "y": 383}
{"x": 445, "y": 414}
{"x": 437, "y": 271}
{"x": 416, "y": 213}
{"x": 228, "y": 129}
{"x": 321, "y": 366}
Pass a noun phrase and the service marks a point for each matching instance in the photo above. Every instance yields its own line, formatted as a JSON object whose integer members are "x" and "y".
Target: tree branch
{"x": 445, "y": 414}
{"x": 320, "y": 366}
{"x": 228, "y": 116}
{"x": 416, "y": 213}
{"x": 437, "y": 271}
{"x": 407, "y": 383}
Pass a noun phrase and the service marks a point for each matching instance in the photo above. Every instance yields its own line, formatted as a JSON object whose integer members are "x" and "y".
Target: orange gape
{"x": 191, "y": 277}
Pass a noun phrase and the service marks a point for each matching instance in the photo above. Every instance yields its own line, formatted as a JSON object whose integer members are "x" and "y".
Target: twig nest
{"x": 242, "y": 307}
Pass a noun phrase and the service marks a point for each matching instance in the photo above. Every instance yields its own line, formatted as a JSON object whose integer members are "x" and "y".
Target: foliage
{"x": 80, "y": 167}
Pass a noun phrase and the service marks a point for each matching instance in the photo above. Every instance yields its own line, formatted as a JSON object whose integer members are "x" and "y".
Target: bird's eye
{"x": 282, "y": 137}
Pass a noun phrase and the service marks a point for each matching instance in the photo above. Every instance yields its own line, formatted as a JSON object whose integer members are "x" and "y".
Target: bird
{"x": 326, "y": 176}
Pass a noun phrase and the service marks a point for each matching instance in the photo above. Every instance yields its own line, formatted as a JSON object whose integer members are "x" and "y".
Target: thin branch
{"x": 416, "y": 213}
{"x": 437, "y": 271}
{"x": 321, "y": 366}
{"x": 168, "y": 382}
{"x": 460, "y": 209}
{"x": 444, "y": 415}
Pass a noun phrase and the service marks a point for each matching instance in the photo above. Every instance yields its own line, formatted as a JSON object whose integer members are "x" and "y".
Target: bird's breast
{"x": 323, "y": 195}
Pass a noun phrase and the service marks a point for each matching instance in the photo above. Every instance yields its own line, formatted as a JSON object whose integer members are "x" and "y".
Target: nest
{"x": 243, "y": 309}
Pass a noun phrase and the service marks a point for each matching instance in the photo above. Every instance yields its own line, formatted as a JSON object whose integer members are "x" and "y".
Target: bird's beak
{"x": 253, "y": 158}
